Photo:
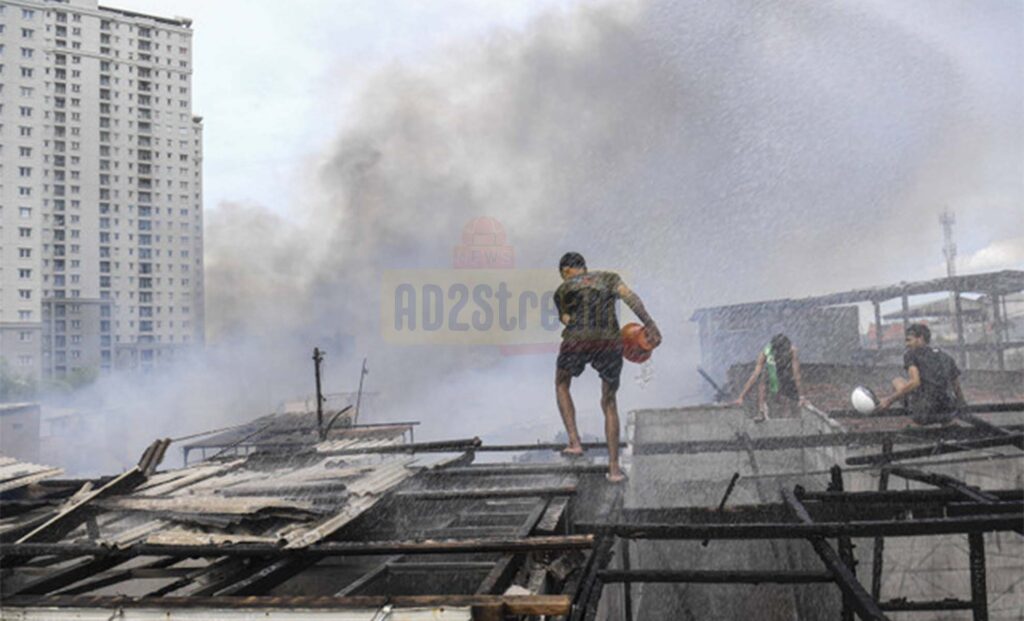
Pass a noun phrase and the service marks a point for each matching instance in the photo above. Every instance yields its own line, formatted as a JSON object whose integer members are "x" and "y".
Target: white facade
{"x": 101, "y": 197}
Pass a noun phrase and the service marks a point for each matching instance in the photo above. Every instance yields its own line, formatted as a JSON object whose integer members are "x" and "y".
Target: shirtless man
{"x": 586, "y": 306}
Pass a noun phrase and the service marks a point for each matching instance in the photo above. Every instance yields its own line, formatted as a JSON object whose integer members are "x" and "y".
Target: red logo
{"x": 484, "y": 246}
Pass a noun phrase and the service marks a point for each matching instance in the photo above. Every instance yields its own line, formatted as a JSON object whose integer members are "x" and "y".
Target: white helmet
{"x": 863, "y": 400}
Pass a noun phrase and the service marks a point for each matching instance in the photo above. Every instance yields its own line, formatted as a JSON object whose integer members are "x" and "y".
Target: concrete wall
{"x": 19, "y": 431}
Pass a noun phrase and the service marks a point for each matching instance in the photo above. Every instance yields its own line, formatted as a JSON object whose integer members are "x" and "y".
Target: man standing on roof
{"x": 586, "y": 306}
{"x": 932, "y": 386}
{"x": 779, "y": 389}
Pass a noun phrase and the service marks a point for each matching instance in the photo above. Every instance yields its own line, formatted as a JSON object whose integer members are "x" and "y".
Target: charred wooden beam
{"x": 588, "y": 594}
{"x": 979, "y": 590}
{"x": 867, "y": 528}
{"x": 609, "y": 576}
{"x": 854, "y": 594}
{"x": 551, "y": 605}
{"x": 500, "y": 576}
{"x": 118, "y": 576}
{"x": 341, "y": 548}
{"x": 901, "y": 496}
{"x": 821, "y": 511}
{"x": 540, "y": 446}
{"x": 938, "y": 449}
{"x": 988, "y": 427}
{"x": 478, "y": 493}
{"x": 68, "y": 518}
{"x": 878, "y": 545}
{"x": 902, "y": 605}
{"x": 974, "y": 408}
{"x": 845, "y": 546}
{"x": 67, "y": 576}
{"x": 944, "y": 481}
{"x": 779, "y": 443}
{"x": 444, "y": 446}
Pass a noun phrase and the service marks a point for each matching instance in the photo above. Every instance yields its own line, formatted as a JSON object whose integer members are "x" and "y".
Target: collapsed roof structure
{"x": 367, "y": 524}
{"x": 293, "y": 516}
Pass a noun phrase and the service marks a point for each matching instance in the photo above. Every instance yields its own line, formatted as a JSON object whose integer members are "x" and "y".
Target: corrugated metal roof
{"x": 15, "y": 474}
{"x": 244, "y": 614}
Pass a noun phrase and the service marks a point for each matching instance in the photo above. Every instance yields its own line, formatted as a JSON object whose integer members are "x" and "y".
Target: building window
{"x": 25, "y": 315}
{"x": 25, "y": 294}
{"x": 25, "y": 336}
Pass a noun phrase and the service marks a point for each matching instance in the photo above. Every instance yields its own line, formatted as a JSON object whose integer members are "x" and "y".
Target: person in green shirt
{"x": 779, "y": 390}
{"x": 586, "y": 307}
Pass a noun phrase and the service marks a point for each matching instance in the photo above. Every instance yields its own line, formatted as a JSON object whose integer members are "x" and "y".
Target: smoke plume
{"x": 716, "y": 152}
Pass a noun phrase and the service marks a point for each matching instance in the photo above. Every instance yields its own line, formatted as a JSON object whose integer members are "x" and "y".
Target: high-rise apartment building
{"x": 101, "y": 219}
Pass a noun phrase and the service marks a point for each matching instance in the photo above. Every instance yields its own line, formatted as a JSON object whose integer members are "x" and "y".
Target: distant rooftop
{"x": 992, "y": 283}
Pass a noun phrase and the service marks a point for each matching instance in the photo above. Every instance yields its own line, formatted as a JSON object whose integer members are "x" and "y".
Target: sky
{"x": 274, "y": 79}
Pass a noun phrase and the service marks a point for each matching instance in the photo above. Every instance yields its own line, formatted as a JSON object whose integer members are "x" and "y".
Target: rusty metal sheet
{"x": 182, "y": 537}
{"x": 169, "y": 482}
{"x": 237, "y": 505}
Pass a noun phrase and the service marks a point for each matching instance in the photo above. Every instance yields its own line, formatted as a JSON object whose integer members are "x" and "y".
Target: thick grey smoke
{"x": 717, "y": 152}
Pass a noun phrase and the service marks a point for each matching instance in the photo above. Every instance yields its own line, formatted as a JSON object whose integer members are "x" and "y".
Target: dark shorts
{"x": 783, "y": 405}
{"x": 932, "y": 411}
{"x": 605, "y": 357}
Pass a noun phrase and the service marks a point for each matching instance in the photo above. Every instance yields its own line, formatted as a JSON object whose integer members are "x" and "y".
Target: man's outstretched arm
{"x": 634, "y": 303}
{"x": 912, "y": 384}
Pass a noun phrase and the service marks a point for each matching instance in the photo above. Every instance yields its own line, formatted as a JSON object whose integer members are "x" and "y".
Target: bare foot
{"x": 615, "y": 477}
{"x": 572, "y": 451}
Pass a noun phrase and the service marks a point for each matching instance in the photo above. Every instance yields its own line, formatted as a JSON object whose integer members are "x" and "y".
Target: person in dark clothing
{"x": 932, "y": 386}
{"x": 779, "y": 390}
{"x": 586, "y": 307}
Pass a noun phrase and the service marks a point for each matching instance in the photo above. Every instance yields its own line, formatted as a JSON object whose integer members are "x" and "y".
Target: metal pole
{"x": 318, "y": 357}
{"x": 979, "y": 592}
{"x": 958, "y": 309}
{"x": 359, "y": 394}
{"x": 997, "y": 320}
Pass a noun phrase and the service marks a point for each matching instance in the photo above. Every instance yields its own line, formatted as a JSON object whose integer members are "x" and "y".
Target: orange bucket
{"x": 635, "y": 347}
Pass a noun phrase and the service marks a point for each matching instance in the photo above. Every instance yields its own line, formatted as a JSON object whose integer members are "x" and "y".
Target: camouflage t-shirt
{"x": 589, "y": 300}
